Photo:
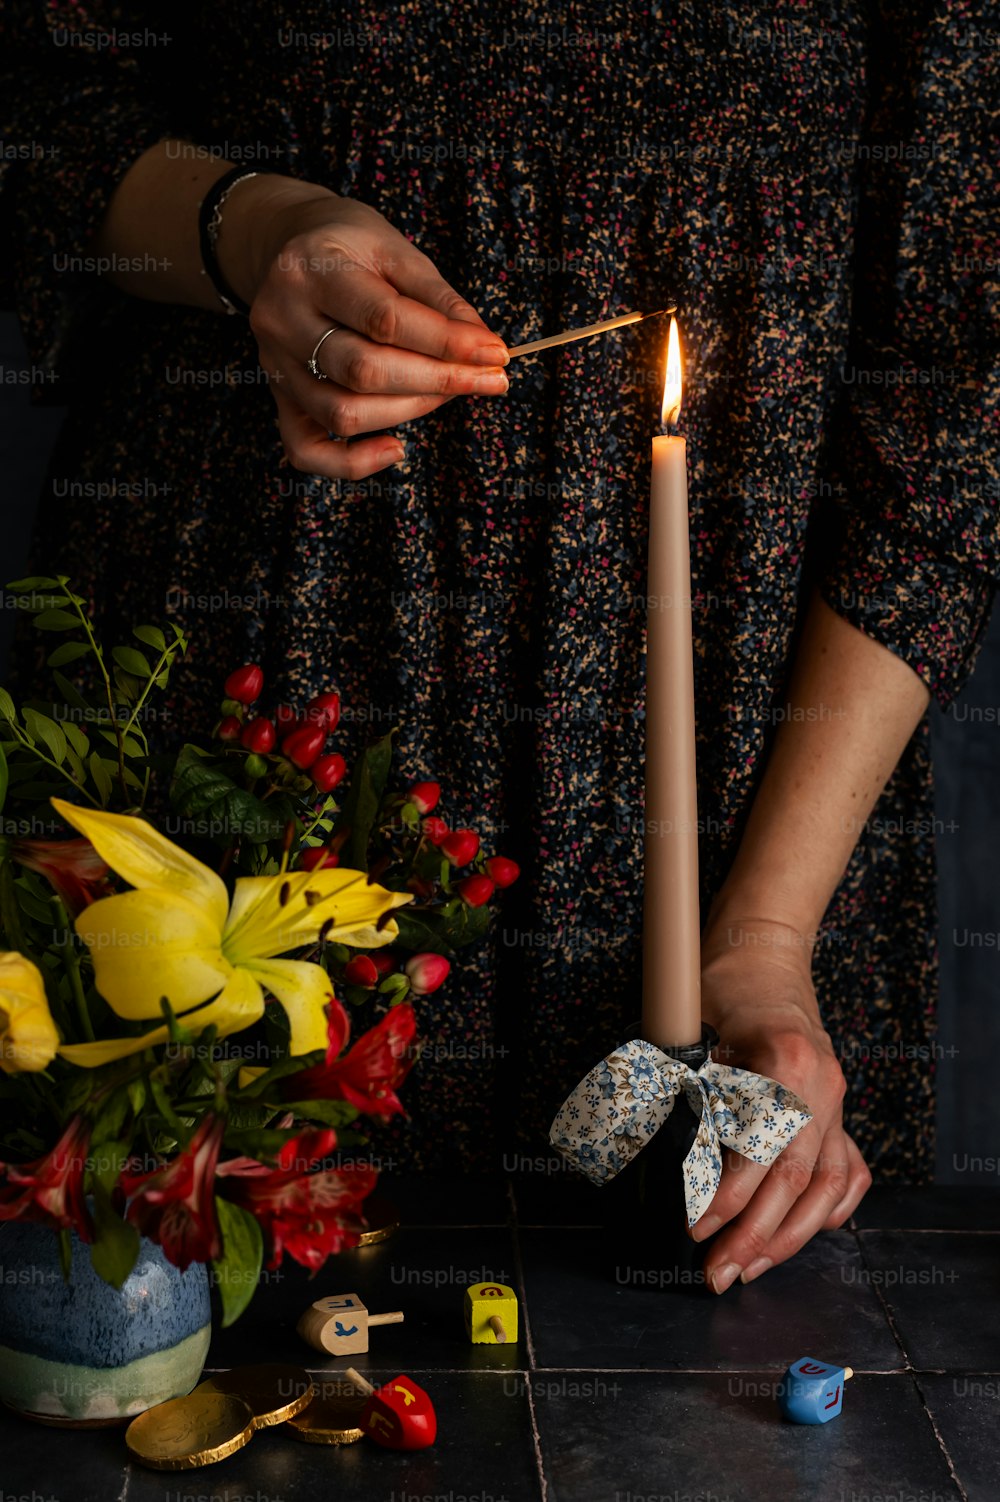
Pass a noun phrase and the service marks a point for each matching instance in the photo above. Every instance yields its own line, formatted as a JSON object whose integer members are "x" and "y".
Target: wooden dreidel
{"x": 398, "y": 1415}
{"x": 491, "y": 1314}
{"x": 812, "y": 1392}
{"x": 339, "y": 1325}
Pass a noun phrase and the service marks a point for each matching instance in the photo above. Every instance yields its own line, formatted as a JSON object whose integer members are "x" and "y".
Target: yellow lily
{"x": 28, "y": 1037}
{"x": 177, "y": 935}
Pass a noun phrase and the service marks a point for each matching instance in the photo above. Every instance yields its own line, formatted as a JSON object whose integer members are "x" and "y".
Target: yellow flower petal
{"x": 150, "y": 944}
{"x": 240, "y": 1004}
{"x": 304, "y": 990}
{"x": 146, "y": 858}
{"x": 28, "y": 1037}
{"x": 259, "y": 926}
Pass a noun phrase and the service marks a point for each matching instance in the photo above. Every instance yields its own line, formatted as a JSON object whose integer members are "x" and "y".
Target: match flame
{"x": 673, "y": 383}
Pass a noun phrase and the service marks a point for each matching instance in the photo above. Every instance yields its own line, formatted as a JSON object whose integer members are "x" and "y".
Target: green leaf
{"x": 73, "y": 696}
{"x": 335, "y": 1113}
{"x": 57, "y": 620}
{"x": 68, "y": 651}
{"x": 7, "y": 710}
{"x": 99, "y": 773}
{"x": 368, "y": 779}
{"x": 43, "y": 729}
{"x": 217, "y": 807}
{"x": 76, "y": 738}
{"x": 152, "y": 636}
{"x": 238, "y": 1269}
{"x": 116, "y": 1243}
{"x": 36, "y": 907}
{"x": 394, "y": 983}
{"x": 4, "y": 779}
{"x": 127, "y": 684}
{"x": 132, "y": 661}
{"x": 22, "y": 586}
{"x": 130, "y": 746}
{"x": 440, "y": 933}
{"x": 10, "y": 913}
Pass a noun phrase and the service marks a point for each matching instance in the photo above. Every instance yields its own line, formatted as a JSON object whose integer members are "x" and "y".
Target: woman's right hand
{"x": 305, "y": 258}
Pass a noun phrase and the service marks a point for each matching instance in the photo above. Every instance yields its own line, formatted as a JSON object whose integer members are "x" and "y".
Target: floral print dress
{"x": 815, "y": 185}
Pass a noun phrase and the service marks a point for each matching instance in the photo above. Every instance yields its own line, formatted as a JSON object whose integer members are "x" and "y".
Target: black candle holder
{"x": 645, "y": 1216}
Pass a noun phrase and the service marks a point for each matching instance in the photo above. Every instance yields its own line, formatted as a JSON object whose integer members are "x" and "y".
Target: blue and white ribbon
{"x": 625, "y": 1099}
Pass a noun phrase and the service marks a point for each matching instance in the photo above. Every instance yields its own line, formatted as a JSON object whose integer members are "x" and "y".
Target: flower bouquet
{"x": 183, "y": 934}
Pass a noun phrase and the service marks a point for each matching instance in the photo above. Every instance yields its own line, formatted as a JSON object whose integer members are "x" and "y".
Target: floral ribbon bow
{"x": 625, "y": 1099}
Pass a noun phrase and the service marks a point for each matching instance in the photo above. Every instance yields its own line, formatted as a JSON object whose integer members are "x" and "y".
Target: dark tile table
{"x": 615, "y": 1393}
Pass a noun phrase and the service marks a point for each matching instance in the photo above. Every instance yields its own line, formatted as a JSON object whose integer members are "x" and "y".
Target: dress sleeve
{"x": 77, "y": 111}
{"x": 917, "y": 443}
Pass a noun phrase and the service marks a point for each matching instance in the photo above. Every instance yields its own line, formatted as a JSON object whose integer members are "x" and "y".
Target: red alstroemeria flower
{"x": 50, "y": 1190}
{"x": 369, "y": 1074}
{"x": 175, "y": 1205}
{"x": 307, "y": 1214}
{"x": 72, "y": 867}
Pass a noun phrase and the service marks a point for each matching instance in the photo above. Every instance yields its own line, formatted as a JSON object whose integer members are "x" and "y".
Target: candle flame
{"x": 673, "y": 382}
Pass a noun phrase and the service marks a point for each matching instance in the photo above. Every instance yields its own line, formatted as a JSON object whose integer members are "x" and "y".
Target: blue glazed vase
{"x": 83, "y": 1352}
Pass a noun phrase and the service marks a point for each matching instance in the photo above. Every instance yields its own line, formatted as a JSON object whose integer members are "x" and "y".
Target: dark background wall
{"x": 966, "y": 744}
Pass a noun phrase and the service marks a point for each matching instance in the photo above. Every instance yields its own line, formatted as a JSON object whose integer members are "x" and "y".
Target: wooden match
{"x": 588, "y": 331}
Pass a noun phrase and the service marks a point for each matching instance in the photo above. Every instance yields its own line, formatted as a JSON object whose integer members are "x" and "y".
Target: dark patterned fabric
{"x": 772, "y": 168}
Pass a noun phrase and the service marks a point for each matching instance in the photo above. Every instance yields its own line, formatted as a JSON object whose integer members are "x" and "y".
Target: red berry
{"x": 361, "y": 972}
{"x": 245, "y": 684}
{"x": 229, "y": 728}
{"x": 426, "y": 972}
{"x": 461, "y": 847}
{"x": 258, "y": 735}
{"x": 324, "y": 710}
{"x": 318, "y": 855}
{"x": 435, "y": 829}
{"x": 328, "y": 771}
{"x": 425, "y": 795}
{"x": 475, "y": 890}
{"x": 503, "y": 870}
{"x": 304, "y": 745}
{"x": 285, "y": 718}
{"x": 384, "y": 961}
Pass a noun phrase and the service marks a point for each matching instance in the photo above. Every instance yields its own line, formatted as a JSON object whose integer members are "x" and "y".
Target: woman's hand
{"x": 305, "y": 258}
{"x": 758, "y": 994}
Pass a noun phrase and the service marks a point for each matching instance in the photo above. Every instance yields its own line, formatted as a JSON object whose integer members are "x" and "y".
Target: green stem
{"x": 33, "y": 750}
{"x": 166, "y": 659}
{"x": 99, "y": 659}
{"x": 72, "y": 963}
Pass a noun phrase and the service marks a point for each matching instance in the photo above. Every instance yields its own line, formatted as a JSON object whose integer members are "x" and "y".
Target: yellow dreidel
{"x": 491, "y": 1314}
{"x": 339, "y": 1324}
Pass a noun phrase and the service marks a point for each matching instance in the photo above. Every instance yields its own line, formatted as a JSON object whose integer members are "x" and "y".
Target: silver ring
{"x": 311, "y": 364}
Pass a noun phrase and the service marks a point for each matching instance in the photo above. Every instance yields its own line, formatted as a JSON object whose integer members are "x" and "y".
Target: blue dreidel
{"x": 812, "y": 1392}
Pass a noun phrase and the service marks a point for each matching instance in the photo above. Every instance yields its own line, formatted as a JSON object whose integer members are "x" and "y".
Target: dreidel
{"x": 399, "y": 1415}
{"x": 339, "y": 1325}
{"x": 491, "y": 1314}
{"x": 812, "y": 1392}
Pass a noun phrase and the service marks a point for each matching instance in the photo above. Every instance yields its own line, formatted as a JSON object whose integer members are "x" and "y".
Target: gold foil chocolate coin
{"x": 192, "y": 1431}
{"x": 383, "y": 1220}
{"x": 331, "y": 1418}
{"x": 273, "y": 1391}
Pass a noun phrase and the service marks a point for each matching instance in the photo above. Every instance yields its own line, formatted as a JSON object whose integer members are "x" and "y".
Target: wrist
{"x": 257, "y": 220}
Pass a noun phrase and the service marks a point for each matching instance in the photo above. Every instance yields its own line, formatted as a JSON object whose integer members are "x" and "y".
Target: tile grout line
{"x": 942, "y": 1446}
{"x": 911, "y": 1372}
{"x": 536, "y": 1437}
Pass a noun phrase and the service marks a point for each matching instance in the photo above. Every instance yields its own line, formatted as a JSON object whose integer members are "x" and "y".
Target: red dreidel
{"x": 398, "y": 1415}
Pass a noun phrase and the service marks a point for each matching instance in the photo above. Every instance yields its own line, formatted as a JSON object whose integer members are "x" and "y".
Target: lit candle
{"x": 671, "y": 948}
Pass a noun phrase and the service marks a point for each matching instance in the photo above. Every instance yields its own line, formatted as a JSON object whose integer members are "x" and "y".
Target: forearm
{"x": 852, "y": 708}
{"x": 150, "y": 229}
